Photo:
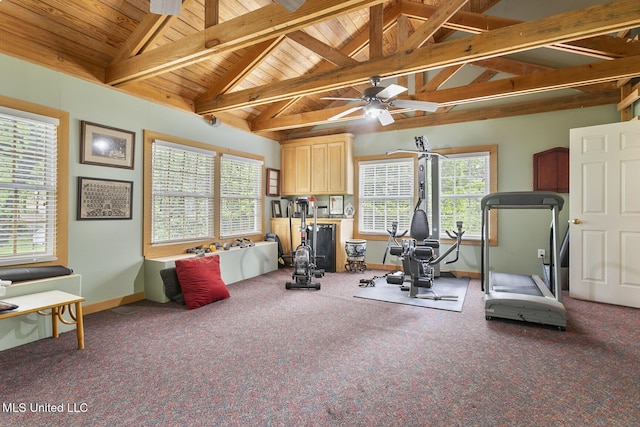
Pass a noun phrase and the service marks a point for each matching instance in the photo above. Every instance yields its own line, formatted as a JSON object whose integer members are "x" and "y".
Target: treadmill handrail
{"x": 522, "y": 200}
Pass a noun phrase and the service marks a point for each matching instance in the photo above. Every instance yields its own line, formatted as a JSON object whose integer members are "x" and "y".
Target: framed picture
{"x": 273, "y": 182}
{"x": 106, "y": 146}
{"x": 276, "y": 209}
{"x": 336, "y": 205}
{"x": 104, "y": 198}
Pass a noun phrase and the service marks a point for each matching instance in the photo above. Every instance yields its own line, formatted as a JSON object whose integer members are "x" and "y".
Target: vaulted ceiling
{"x": 260, "y": 68}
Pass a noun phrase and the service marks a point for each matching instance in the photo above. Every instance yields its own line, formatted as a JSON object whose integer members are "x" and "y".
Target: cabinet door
{"x": 288, "y": 171}
{"x": 281, "y": 228}
{"x": 303, "y": 169}
{"x": 335, "y": 167}
{"x": 319, "y": 169}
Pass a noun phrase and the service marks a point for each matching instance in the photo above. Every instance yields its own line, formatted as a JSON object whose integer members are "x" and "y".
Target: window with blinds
{"x": 385, "y": 194}
{"x": 240, "y": 196}
{"x": 464, "y": 181}
{"x": 182, "y": 193}
{"x": 28, "y": 187}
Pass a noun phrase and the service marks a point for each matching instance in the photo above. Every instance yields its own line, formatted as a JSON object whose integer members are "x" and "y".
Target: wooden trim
{"x": 112, "y": 303}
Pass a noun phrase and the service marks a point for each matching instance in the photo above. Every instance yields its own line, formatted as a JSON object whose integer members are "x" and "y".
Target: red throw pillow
{"x": 200, "y": 280}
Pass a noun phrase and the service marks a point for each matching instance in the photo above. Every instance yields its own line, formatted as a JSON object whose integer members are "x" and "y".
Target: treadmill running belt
{"x": 514, "y": 283}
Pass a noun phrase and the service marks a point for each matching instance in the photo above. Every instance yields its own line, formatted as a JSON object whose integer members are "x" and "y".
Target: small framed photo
{"x": 273, "y": 182}
{"x": 336, "y": 205}
{"x": 104, "y": 198}
{"x": 106, "y": 146}
{"x": 276, "y": 209}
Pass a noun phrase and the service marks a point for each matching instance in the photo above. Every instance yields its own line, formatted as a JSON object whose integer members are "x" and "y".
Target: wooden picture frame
{"x": 276, "y": 209}
{"x": 104, "y": 199}
{"x": 106, "y": 146}
{"x": 273, "y": 182}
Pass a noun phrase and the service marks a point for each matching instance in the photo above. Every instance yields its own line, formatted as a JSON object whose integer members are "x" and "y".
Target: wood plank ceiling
{"x": 261, "y": 68}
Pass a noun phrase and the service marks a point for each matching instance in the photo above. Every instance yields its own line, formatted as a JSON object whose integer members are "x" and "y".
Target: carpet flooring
{"x": 268, "y": 356}
{"x": 443, "y": 286}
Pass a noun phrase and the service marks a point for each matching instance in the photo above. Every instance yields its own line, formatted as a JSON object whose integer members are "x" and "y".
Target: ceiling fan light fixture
{"x": 373, "y": 110}
{"x": 291, "y": 5}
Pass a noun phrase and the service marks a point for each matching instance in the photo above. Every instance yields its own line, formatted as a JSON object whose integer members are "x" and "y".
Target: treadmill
{"x": 517, "y": 296}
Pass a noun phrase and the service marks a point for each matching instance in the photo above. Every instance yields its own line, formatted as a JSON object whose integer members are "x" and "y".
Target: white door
{"x": 604, "y": 209}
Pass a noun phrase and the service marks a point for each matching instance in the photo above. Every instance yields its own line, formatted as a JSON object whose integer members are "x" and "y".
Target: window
{"x": 385, "y": 194}
{"x": 240, "y": 196}
{"x": 198, "y": 194}
{"x": 464, "y": 181}
{"x": 182, "y": 193}
{"x": 32, "y": 206}
{"x": 465, "y": 176}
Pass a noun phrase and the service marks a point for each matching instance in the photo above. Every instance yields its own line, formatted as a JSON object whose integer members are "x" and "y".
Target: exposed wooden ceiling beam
{"x": 563, "y": 78}
{"x": 603, "y": 46}
{"x": 587, "y": 22}
{"x": 441, "y": 15}
{"x": 246, "y": 30}
{"x": 325, "y": 51}
{"x": 489, "y": 90}
{"x": 150, "y": 29}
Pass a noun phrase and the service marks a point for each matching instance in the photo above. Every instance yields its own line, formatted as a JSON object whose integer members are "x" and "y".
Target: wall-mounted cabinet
{"x": 321, "y": 165}
{"x": 551, "y": 170}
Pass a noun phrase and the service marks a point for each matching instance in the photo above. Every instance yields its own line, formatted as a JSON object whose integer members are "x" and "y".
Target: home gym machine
{"x": 304, "y": 257}
{"x": 518, "y": 296}
{"x": 420, "y": 259}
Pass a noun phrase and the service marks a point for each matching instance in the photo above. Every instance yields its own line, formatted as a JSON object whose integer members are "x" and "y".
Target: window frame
{"x": 492, "y": 149}
{"x": 171, "y": 249}
{"x": 61, "y": 245}
{"x": 259, "y": 197}
{"x": 402, "y": 156}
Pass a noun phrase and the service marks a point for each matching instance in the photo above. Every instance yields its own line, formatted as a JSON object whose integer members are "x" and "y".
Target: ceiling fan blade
{"x": 166, "y": 7}
{"x": 330, "y": 98}
{"x": 291, "y": 5}
{"x": 385, "y": 118}
{"x": 415, "y": 105}
{"x": 391, "y": 91}
{"x": 345, "y": 113}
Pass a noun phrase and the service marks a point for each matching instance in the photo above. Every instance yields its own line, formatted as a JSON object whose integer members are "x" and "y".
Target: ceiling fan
{"x": 378, "y": 99}
{"x": 172, "y": 7}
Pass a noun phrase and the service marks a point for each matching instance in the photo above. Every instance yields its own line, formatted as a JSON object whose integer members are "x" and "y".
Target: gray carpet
{"x": 382, "y": 291}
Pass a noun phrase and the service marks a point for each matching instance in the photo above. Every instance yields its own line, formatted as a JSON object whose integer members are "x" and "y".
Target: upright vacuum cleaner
{"x": 304, "y": 258}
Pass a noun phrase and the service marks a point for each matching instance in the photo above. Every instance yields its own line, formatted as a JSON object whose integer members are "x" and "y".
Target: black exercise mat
{"x": 382, "y": 291}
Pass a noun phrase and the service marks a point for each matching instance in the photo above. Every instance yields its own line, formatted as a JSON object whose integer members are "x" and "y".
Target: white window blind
{"x": 464, "y": 181}
{"x": 28, "y": 187}
{"x": 182, "y": 193}
{"x": 386, "y": 194}
{"x": 240, "y": 196}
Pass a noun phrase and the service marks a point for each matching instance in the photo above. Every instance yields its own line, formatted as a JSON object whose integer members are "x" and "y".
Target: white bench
{"x": 236, "y": 264}
{"x": 57, "y": 302}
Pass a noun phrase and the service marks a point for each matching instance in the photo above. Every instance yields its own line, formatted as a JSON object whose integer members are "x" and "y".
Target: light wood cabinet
{"x": 322, "y": 165}
{"x": 344, "y": 232}
{"x": 296, "y": 161}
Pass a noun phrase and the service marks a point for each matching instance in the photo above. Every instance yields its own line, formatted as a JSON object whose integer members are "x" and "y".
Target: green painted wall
{"x": 520, "y": 233}
{"x": 108, "y": 254}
